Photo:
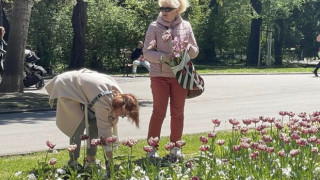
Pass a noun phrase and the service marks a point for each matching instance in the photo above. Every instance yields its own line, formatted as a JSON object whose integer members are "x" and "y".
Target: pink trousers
{"x": 164, "y": 88}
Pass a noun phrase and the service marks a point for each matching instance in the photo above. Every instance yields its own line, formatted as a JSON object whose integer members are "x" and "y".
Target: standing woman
{"x": 76, "y": 90}
{"x": 164, "y": 85}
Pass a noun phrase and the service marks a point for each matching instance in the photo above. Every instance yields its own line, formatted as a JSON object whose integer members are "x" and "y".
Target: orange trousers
{"x": 164, "y": 88}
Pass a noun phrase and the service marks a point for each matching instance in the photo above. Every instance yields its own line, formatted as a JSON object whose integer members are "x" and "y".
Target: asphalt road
{"x": 226, "y": 96}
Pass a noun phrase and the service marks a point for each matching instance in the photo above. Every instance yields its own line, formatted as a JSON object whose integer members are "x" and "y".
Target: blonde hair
{"x": 181, "y": 5}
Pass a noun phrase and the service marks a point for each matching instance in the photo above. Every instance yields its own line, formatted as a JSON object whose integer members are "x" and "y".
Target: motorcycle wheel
{"x": 40, "y": 84}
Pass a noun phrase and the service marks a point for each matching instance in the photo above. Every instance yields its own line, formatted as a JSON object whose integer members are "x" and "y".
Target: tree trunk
{"x": 79, "y": 23}
{"x": 254, "y": 38}
{"x": 13, "y": 67}
{"x": 278, "y": 41}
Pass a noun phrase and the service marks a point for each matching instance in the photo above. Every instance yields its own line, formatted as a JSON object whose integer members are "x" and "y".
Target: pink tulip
{"x": 53, "y": 161}
{"x": 220, "y": 142}
{"x": 204, "y": 148}
{"x": 195, "y": 178}
{"x": 302, "y": 114}
{"x": 84, "y": 137}
{"x": 148, "y": 149}
{"x": 246, "y": 121}
{"x": 254, "y": 145}
{"x": 216, "y": 122}
{"x": 263, "y": 132}
{"x": 290, "y": 113}
{"x": 95, "y": 142}
{"x": 181, "y": 143}
{"x": 294, "y": 152}
{"x": 50, "y": 144}
{"x": 169, "y": 146}
{"x": 301, "y": 142}
{"x": 295, "y": 136}
{"x": 112, "y": 139}
{"x": 203, "y": 139}
{"x": 270, "y": 150}
{"x": 267, "y": 138}
{"x": 262, "y": 147}
{"x": 236, "y": 148}
{"x": 234, "y": 122}
{"x": 255, "y": 120}
{"x": 244, "y": 145}
{"x": 314, "y": 150}
{"x": 282, "y": 113}
{"x": 246, "y": 140}
{"x": 279, "y": 125}
{"x": 154, "y": 142}
{"x": 130, "y": 142}
{"x": 244, "y": 130}
{"x": 281, "y": 153}
{"x": 212, "y": 135}
{"x": 312, "y": 139}
{"x": 254, "y": 155}
{"x": 72, "y": 148}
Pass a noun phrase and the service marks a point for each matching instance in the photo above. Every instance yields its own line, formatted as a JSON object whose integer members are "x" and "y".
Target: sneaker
{"x": 176, "y": 153}
{"x": 315, "y": 73}
{"x": 153, "y": 154}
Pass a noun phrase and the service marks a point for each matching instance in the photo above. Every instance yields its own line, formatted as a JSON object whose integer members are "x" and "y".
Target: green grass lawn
{"x": 12, "y": 164}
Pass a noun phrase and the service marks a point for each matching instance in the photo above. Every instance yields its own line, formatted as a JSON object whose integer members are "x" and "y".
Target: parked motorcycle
{"x": 33, "y": 74}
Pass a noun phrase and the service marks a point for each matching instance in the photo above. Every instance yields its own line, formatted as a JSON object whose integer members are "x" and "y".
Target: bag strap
{"x": 98, "y": 97}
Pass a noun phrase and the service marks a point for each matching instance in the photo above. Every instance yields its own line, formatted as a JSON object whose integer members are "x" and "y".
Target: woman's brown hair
{"x": 130, "y": 103}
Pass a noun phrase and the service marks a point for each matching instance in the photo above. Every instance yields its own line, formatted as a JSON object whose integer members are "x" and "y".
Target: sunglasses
{"x": 166, "y": 9}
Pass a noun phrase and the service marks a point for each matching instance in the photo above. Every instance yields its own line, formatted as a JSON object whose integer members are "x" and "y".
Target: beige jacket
{"x": 82, "y": 86}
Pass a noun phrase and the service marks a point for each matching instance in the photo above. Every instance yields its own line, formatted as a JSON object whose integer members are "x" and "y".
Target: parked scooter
{"x": 33, "y": 74}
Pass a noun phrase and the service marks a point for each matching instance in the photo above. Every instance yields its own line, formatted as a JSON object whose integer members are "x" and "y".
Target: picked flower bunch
{"x": 178, "y": 49}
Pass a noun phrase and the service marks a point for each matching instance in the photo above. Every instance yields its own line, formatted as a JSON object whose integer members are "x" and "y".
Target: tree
{"x": 254, "y": 38}
{"x": 79, "y": 23}
{"x": 13, "y": 77}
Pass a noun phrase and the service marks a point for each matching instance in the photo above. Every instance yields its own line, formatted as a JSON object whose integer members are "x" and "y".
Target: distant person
{"x": 138, "y": 59}
{"x": 76, "y": 89}
{"x": 2, "y": 51}
{"x": 164, "y": 85}
{"x": 315, "y": 72}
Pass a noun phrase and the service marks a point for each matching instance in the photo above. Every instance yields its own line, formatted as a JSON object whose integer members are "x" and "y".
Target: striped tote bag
{"x": 187, "y": 77}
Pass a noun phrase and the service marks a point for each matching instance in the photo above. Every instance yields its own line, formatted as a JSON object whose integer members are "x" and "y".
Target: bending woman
{"x": 99, "y": 93}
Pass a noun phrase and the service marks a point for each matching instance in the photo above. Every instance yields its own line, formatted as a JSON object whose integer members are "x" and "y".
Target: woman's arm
{"x": 151, "y": 54}
{"x": 194, "y": 49}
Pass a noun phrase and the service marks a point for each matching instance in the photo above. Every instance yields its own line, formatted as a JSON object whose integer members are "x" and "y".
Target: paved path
{"x": 226, "y": 96}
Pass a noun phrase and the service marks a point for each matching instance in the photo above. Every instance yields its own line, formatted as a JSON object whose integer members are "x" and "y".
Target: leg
{"x": 177, "y": 101}
{"x": 146, "y": 64}
{"x": 315, "y": 71}
{"x": 160, "y": 91}
{"x": 75, "y": 139}
{"x": 93, "y": 130}
{"x": 134, "y": 67}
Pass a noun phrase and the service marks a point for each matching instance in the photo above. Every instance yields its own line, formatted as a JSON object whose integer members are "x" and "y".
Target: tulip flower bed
{"x": 260, "y": 148}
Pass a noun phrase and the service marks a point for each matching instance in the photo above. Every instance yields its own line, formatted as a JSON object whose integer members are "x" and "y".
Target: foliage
{"x": 221, "y": 28}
